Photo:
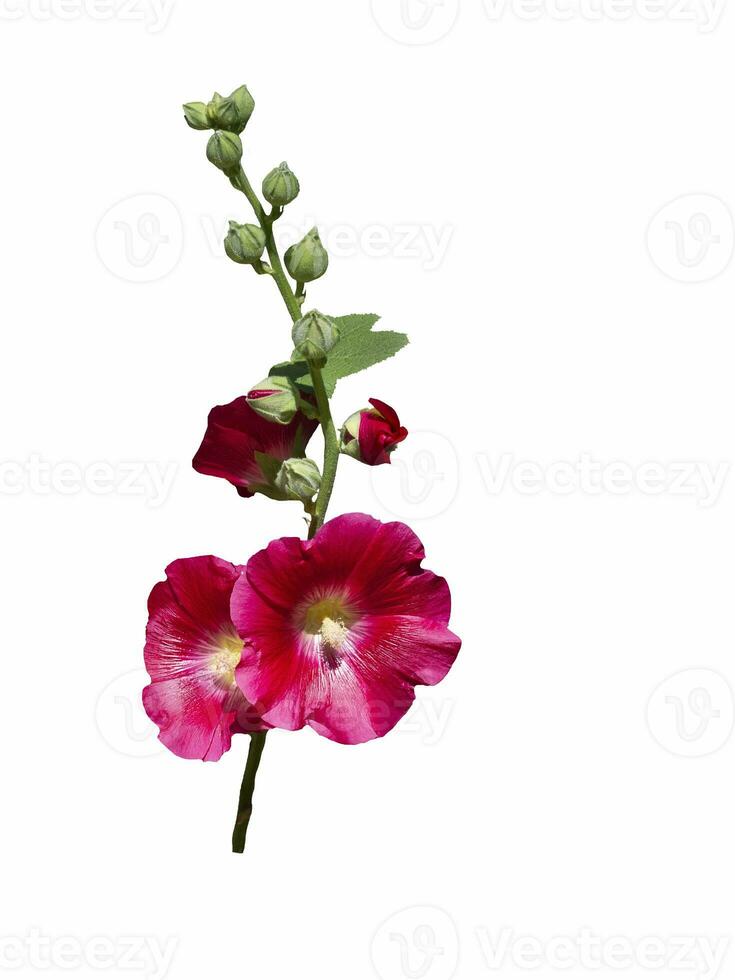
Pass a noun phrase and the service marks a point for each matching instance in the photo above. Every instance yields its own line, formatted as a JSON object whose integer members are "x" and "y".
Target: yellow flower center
{"x": 330, "y": 621}
{"x": 226, "y": 654}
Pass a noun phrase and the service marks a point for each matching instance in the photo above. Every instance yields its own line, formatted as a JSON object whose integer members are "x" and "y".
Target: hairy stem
{"x": 331, "y": 450}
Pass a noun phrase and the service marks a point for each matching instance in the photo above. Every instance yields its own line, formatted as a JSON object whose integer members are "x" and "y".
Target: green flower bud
{"x": 244, "y": 243}
{"x": 195, "y": 114}
{"x": 307, "y": 260}
{"x": 299, "y": 479}
{"x": 281, "y": 186}
{"x": 314, "y": 335}
{"x": 274, "y": 399}
{"x": 211, "y": 110}
{"x": 224, "y": 150}
{"x": 231, "y": 114}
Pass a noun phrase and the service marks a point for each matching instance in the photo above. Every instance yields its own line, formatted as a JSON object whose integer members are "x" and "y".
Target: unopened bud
{"x": 274, "y": 399}
{"x": 281, "y": 186}
{"x": 371, "y": 435}
{"x": 314, "y": 336}
{"x": 299, "y": 479}
{"x": 195, "y": 114}
{"x": 244, "y": 243}
{"x": 231, "y": 113}
{"x": 224, "y": 150}
{"x": 308, "y": 259}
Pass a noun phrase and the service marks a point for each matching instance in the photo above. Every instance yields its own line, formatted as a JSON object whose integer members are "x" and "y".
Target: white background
{"x": 567, "y": 776}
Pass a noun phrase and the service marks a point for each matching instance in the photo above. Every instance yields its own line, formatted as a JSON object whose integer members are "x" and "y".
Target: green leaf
{"x": 358, "y": 348}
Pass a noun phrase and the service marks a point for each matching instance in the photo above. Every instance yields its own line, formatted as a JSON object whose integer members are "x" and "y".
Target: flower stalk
{"x": 245, "y": 803}
{"x": 293, "y": 301}
{"x": 331, "y": 451}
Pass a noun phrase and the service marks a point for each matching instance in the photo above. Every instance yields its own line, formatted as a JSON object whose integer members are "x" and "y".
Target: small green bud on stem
{"x": 299, "y": 479}
{"x": 274, "y": 399}
{"x": 308, "y": 259}
{"x": 244, "y": 244}
{"x": 281, "y": 186}
{"x": 314, "y": 336}
{"x": 195, "y": 114}
{"x": 224, "y": 150}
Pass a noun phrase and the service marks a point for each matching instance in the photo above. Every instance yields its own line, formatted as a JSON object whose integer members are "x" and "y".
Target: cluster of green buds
{"x": 230, "y": 114}
{"x": 306, "y": 260}
{"x": 227, "y": 116}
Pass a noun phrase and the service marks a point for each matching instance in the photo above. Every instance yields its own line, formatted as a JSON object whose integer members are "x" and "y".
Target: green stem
{"x": 240, "y": 181}
{"x": 331, "y": 450}
{"x": 245, "y": 803}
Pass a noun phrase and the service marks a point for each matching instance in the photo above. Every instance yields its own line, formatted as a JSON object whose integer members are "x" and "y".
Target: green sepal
{"x": 270, "y": 468}
{"x": 268, "y": 465}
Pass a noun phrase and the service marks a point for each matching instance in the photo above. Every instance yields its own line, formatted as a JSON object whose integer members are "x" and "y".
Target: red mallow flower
{"x": 235, "y": 433}
{"x": 372, "y": 434}
{"x": 192, "y": 651}
{"x": 339, "y": 630}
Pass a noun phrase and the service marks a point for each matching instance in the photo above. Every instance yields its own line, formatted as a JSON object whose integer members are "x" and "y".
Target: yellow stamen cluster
{"x": 225, "y": 658}
{"x": 330, "y": 621}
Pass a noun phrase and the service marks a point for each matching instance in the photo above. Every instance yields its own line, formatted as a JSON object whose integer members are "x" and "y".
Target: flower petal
{"x": 395, "y": 633}
{"x": 191, "y": 652}
{"x": 192, "y": 722}
{"x": 235, "y": 433}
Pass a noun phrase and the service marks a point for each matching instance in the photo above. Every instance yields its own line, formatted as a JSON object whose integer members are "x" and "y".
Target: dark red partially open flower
{"x": 371, "y": 435}
{"x": 235, "y": 433}
{"x": 340, "y": 629}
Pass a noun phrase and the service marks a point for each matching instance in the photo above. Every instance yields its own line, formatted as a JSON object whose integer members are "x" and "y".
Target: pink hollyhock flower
{"x": 192, "y": 652}
{"x": 235, "y": 433}
{"x": 339, "y": 630}
{"x": 372, "y": 434}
